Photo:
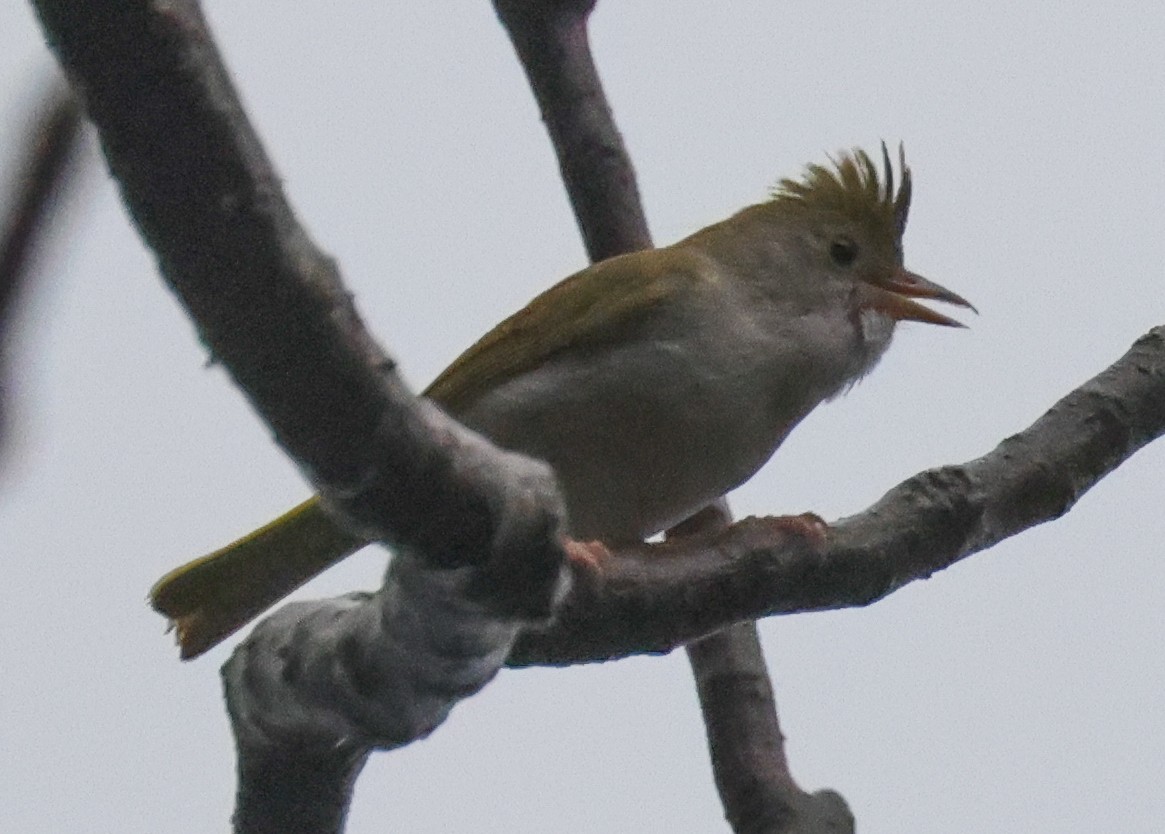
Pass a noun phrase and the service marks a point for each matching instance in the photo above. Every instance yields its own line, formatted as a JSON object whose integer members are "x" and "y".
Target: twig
{"x": 42, "y": 175}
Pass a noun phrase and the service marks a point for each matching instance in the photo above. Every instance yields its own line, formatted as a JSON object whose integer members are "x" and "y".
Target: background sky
{"x": 1017, "y": 691}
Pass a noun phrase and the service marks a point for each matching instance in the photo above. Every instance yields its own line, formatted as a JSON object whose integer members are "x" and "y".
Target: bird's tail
{"x": 210, "y": 598}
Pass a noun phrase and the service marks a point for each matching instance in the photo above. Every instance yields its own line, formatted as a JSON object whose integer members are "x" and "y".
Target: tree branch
{"x": 268, "y": 304}
{"x": 654, "y": 598}
{"x": 42, "y": 175}
{"x": 748, "y": 748}
{"x": 744, "y": 734}
{"x": 750, "y": 768}
{"x": 476, "y": 529}
{"x": 550, "y": 37}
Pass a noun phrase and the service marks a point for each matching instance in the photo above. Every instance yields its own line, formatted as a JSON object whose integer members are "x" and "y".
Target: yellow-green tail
{"x": 210, "y": 598}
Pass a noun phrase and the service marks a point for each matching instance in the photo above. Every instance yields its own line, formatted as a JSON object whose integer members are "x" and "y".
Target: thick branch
{"x": 650, "y": 602}
{"x": 267, "y": 302}
{"x": 477, "y": 528}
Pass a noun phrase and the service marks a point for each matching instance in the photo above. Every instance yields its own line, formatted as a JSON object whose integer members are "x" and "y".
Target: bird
{"x": 653, "y": 382}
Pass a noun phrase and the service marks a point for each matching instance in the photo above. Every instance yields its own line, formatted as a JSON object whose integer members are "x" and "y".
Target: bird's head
{"x": 848, "y": 222}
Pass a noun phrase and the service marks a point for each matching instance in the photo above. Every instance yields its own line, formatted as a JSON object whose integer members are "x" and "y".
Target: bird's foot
{"x": 586, "y": 557}
{"x": 808, "y": 526}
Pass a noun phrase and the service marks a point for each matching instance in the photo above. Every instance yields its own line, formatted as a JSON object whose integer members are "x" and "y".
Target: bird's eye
{"x": 843, "y": 251}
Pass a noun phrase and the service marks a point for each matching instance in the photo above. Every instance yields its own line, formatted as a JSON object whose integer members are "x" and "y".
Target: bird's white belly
{"x": 645, "y": 433}
{"x": 655, "y": 438}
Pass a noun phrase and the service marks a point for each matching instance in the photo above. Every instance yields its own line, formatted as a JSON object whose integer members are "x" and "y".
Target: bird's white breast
{"x": 688, "y": 405}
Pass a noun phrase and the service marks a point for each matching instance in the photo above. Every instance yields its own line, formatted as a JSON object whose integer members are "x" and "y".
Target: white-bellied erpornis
{"x": 653, "y": 382}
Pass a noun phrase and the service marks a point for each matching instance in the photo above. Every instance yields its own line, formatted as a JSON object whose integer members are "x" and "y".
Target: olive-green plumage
{"x": 653, "y": 382}
{"x": 579, "y": 312}
{"x": 211, "y": 597}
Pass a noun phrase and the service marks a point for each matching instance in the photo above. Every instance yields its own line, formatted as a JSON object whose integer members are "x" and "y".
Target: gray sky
{"x": 1017, "y": 691}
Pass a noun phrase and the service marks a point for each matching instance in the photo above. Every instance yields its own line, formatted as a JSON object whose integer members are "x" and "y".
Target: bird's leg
{"x": 809, "y": 527}
{"x": 588, "y": 559}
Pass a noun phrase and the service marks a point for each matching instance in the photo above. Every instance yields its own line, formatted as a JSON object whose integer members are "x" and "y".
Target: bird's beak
{"x": 895, "y": 296}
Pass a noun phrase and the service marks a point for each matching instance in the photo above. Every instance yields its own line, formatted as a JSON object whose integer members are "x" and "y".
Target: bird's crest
{"x": 852, "y": 187}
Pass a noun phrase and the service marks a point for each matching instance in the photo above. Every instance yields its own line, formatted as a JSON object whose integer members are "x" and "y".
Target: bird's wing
{"x": 585, "y": 309}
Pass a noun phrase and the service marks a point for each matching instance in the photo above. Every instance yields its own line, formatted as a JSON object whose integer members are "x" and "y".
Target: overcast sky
{"x": 1018, "y": 691}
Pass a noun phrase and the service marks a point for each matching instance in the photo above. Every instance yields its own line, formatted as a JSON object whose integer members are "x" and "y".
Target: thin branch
{"x": 748, "y": 748}
{"x": 48, "y": 148}
{"x": 550, "y": 37}
{"x": 750, "y": 768}
{"x": 644, "y": 604}
{"x": 744, "y": 734}
{"x": 48, "y": 152}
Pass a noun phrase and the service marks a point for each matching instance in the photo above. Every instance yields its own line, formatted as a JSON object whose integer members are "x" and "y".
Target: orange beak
{"x": 895, "y": 296}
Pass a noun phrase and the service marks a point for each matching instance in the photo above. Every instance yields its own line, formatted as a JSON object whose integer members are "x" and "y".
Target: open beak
{"x": 895, "y": 296}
